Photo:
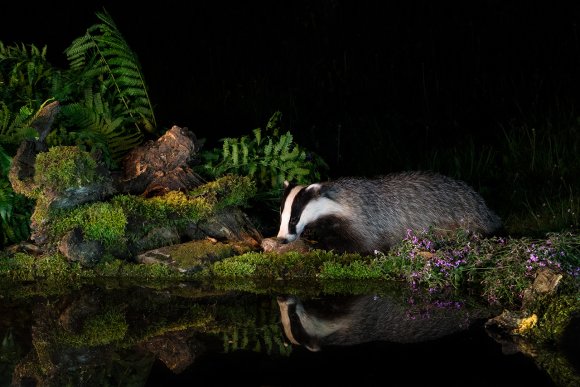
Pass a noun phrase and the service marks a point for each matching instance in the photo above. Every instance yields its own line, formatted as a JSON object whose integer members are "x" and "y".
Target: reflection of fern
{"x": 269, "y": 161}
{"x": 261, "y": 335}
{"x": 118, "y": 64}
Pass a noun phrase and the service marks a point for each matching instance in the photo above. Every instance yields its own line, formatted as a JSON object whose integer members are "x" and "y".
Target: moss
{"x": 179, "y": 209}
{"x": 63, "y": 167}
{"x": 99, "y": 221}
{"x": 274, "y": 266}
{"x": 198, "y": 252}
{"x": 557, "y": 313}
{"x": 179, "y": 206}
{"x": 25, "y": 267}
{"x": 229, "y": 190}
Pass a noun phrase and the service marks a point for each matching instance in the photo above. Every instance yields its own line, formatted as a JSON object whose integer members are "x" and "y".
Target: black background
{"x": 354, "y": 80}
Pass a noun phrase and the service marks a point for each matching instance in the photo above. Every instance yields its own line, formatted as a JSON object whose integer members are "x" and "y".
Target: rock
{"x": 21, "y": 173}
{"x": 193, "y": 256}
{"x": 159, "y": 236}
{"x": 76, "y": 249}
{"x": 177, "y": 350}
{"x": 74, "y": 196}
{"x": 230, "y": 224}
{"x": 273, "y": 245}
{"x": 546, "y": 282}
{"x": 158, "y": 167}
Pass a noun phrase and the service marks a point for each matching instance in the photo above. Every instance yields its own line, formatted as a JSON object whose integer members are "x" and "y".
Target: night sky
{"x": 354, "y": 80}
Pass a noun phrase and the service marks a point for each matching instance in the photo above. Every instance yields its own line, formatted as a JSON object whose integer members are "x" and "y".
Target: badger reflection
{"x": 360, "y": 319}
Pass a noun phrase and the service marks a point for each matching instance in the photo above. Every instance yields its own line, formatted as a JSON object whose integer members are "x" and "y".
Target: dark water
{"x": 112, "y": 334}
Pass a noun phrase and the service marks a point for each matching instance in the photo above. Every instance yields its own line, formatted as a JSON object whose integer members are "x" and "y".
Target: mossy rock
{"x": 192, "y": 256}
{"x": 64, "y": 167}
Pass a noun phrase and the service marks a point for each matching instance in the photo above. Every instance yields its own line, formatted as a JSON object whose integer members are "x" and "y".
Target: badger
{"x": 351, "y": 320}
{"x": 354, "y": 214}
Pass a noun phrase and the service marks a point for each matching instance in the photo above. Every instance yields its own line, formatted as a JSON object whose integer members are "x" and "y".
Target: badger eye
{"x": 294, "y": 219}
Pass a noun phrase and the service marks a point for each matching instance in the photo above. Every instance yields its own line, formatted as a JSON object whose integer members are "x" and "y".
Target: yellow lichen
{"x": 525, "y": 324}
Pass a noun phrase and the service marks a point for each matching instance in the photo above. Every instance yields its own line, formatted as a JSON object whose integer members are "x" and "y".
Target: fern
{"x": 15, "y": 210}
{"x": 24, "y": 75}
{"x": 15, "y": 127}
{"x": 118, "y": 64}
{"x": 267, "y": 160}
{"x": 99, "y": 127}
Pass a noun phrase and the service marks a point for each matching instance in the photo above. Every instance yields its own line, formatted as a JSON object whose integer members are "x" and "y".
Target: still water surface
{"x": 112, "y": 334}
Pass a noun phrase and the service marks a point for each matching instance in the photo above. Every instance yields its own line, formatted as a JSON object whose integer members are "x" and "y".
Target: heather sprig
{"x": 499, "y": 268}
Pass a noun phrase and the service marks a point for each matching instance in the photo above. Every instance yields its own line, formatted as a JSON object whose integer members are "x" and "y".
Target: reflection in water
{"x": 362, "y": 319}
{"x": 108, "y": 334}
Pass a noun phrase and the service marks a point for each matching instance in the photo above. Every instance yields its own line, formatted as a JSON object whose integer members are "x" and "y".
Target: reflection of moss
{"x": 100, "y": 329}
{"x": 196, "y": 317}
{"x": 63, "y": 167}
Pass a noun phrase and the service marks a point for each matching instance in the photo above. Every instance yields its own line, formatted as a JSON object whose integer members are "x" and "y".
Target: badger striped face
{"x": 303, "y": 328}
{"x": 301, "y": 206}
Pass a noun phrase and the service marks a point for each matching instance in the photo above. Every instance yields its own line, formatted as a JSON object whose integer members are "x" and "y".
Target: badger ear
{"x": 286, "y": 183}
{"x": 314, "y": 189}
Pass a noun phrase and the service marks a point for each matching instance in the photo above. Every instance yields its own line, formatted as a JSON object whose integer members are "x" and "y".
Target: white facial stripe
{"x": 285, "y": 219}
{"x": 316, "y": 327}
{"x": 316, "y": 209}
{"x": 286, "y": 323}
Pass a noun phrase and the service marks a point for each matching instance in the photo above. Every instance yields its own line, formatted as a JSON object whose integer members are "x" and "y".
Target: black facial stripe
{"x": 296, "y": 327}
{"x": 286, "y": 193}
{"x": 300, "y": 201}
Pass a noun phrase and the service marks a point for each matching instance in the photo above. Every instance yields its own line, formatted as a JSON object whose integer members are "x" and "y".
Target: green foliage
{"x": 99, "y": 221}
{"x": 25, "y": 75}
{"x": 356, "y": 270}
{"x": 63, "y": 167}
{"x": 15, "y": 209}
{"x": 105, "y": 105}
{"x": 498, "y": 269}
{"x": 228, "y": 190}
{"x": 101, "y": 126}
{"x": 24, "y": 267}
{"x": 178, "y": 209}
{"x": 15, "y": 127}
{"x": 173, "y": 208}
{"x": 291, "y": 265}
{"x": 268, "y": 158}
{"x": 104, "y": 51}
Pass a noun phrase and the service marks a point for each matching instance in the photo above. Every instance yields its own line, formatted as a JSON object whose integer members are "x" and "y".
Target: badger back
{"x": 387, "y": 207}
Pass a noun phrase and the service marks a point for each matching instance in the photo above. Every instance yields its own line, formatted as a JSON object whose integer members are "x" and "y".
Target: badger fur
{"x": 351, "y": 320}
{"x": 364, "y": 215}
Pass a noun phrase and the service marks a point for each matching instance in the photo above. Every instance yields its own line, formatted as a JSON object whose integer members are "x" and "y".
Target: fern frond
{"x": 120, "y": 66}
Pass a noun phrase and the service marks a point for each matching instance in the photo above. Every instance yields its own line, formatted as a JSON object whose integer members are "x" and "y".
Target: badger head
{"x": 302, "y": 327}
{"x": 303, "y": 205}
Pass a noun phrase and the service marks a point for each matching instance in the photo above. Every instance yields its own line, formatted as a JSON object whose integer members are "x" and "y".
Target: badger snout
{"x": 282, "y": 241}
{"x": 286, "y": 239}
